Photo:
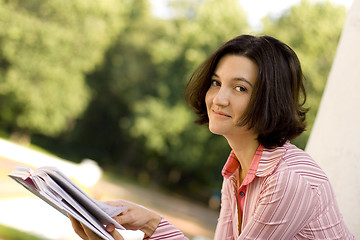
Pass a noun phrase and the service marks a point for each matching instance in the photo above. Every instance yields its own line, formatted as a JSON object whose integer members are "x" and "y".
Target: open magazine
{"x": 52, "y": 186}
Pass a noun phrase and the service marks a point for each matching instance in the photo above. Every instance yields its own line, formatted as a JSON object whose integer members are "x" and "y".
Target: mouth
{"x": 222, "y": 114}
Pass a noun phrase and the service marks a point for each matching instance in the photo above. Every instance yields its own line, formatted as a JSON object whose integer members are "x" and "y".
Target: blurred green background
{"x": 9, "y": 233}
{"x": 104, "y": 80}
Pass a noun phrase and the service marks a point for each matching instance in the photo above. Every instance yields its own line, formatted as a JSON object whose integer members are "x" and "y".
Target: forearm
{"x": 137, "y": 217}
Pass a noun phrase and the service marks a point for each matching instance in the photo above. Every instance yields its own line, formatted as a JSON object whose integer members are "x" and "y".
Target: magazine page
{"x": 43, "y": 186}
{"x": 54, "y": 192}
{"x": 51, "y": 197}
{"x": 26, "y": 181}
{"x": 22, "y": 175}
{"x": 70, "y": 187}
{"x": 101, "y": 211}
{"x": 45, "y": 194}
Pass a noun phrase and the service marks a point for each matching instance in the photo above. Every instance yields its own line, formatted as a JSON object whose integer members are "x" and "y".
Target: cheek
{"x": 241, "y": 108}
{"x": 208, "y": 100}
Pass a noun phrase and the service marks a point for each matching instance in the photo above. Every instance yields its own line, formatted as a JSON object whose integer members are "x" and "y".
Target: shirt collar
{"x": 262, "y": 165}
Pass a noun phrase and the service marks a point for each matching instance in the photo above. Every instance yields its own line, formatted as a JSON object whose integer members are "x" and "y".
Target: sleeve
{"x": 285, "y": 205}
{"x": 224, "y": 228}
{"x": 167, "y": 231}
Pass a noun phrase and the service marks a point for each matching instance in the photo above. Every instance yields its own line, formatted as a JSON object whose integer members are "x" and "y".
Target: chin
{"x": 217, "y": 131}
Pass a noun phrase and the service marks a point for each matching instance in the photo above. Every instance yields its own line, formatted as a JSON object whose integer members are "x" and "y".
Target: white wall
{"x": 335, "y": 139}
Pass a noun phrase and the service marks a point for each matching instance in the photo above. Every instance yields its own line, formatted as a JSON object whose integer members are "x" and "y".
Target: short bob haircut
{"x": 276, "y": 110}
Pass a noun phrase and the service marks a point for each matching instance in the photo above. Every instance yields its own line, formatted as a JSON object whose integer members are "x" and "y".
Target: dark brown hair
{"x": 276, "y": 110}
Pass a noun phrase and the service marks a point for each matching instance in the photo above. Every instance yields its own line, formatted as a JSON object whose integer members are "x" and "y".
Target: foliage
{"x": 140, "y": 125}
{"x": 163, "y": 121}
{"x": 46, "y": 47}
{"x": 313, "y": 31}
{"x": 9, "y": 233}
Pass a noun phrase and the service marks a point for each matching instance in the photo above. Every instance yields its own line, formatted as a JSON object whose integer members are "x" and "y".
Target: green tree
{"x": 137, "y": 123}
{"x": 46, "y": 47}
{"x": 127, "y": 74}
{"x": 196, "y": 30}
{"x": 313, "y": 31}
{"x": 186, "y": 155}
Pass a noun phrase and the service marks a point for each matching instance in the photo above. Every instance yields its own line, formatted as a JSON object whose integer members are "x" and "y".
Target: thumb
{"x": 110, "y": 227}
{"x": 116, "y": 235}
{"x": 119, "y": 219}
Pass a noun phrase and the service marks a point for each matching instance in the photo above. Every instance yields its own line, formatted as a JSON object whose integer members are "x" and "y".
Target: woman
{"x": 251, "y": 92}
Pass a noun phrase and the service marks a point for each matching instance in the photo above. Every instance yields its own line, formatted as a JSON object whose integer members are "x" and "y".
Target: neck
{"x": 244, "y": 149}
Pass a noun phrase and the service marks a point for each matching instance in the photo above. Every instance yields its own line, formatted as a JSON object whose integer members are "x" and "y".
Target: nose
{"x": 222, "y": 97}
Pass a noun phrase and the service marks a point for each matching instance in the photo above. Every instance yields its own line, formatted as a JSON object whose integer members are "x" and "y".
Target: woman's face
{"x": 229, "y": 94}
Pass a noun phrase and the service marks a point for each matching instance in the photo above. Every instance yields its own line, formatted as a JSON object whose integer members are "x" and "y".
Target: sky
{"x": 274, "y": 7}
{"x": 256, "y": 9}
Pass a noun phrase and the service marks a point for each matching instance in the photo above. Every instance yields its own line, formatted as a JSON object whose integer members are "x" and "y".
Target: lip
{"x": 220, "y": 113}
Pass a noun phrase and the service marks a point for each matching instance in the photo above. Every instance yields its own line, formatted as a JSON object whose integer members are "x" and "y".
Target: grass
{"x": 9, "y": 233}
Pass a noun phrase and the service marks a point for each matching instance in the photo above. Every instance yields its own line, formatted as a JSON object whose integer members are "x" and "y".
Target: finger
{"x": 110, "y": 227}
{"x": 117, "y": 203}
{"x": 127, "y": 221}
{"x": 77, "y": 227}
{"x": 90, "y": 234}
{"x": 116, "y": 235}
{"x": 121, "y": 219}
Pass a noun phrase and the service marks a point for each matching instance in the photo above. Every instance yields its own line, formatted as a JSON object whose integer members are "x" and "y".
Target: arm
{"x": 285, "y": 205}
{"x": 136, "y": 217}
{"x": 153, "y": 225}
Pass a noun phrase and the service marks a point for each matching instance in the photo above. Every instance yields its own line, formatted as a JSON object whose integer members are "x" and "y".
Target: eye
{"x": 215, "y": 83}
{"x": 240, "y": 89}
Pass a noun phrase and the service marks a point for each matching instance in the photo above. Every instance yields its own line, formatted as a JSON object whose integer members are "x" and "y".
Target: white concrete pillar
{"x": 334, "y": 142}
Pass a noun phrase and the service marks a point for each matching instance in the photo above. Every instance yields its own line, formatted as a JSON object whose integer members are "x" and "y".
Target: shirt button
{"x": 242, "y": 194}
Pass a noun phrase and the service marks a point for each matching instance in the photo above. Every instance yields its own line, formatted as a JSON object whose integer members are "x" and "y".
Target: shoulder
{"x": 299, "y": 162}
{"x": 287, "y": 158}
{"x": 291, "y": 169}
{"x": 298, "y": 175}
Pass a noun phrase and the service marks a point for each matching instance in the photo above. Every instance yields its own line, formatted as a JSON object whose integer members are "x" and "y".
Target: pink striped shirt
{"x": 285, "y": 195}
{"x": 167, "y": 231}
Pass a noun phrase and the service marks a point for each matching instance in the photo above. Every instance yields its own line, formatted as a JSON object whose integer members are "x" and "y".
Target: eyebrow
{"x": 241, "y": 79}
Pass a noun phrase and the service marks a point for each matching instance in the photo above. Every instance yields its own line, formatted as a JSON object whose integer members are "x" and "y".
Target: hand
{"x": 87, "y": 234}
{"x": 136, "y": 217}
